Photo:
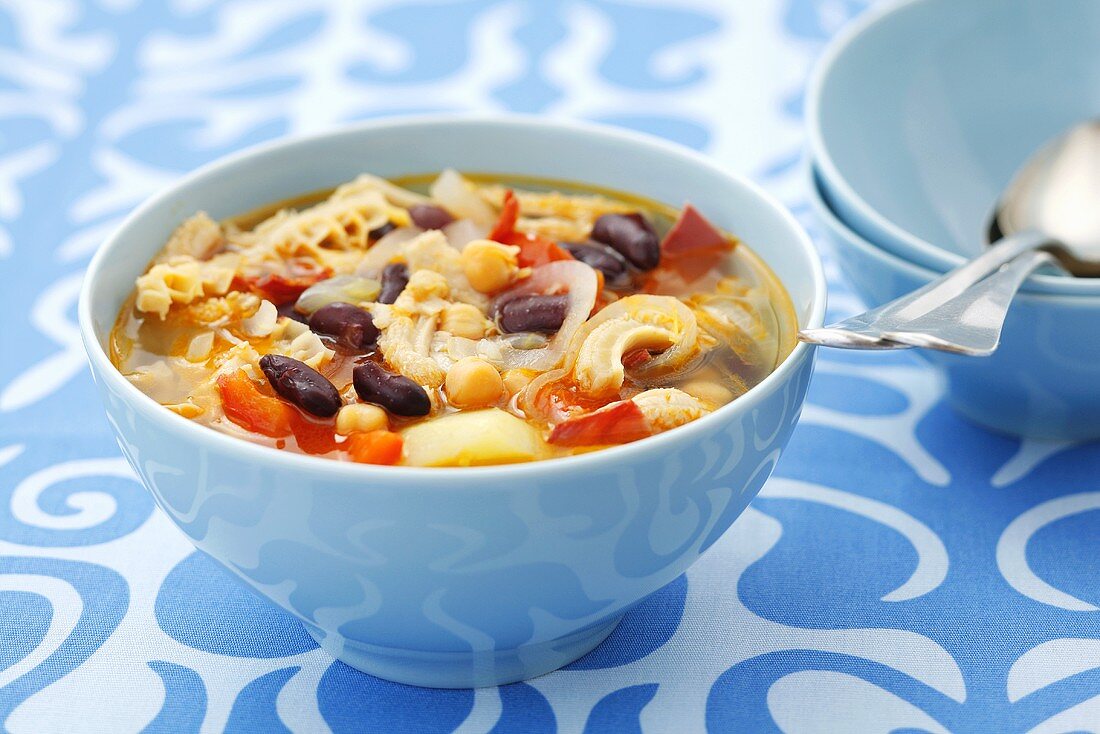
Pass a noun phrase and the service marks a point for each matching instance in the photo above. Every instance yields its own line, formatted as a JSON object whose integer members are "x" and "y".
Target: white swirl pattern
{"x": 819, "y": 702}
{"x": 67, "y": 606}
{"x": 92, "y": 508}
{"x": 1012, "y": 550}
{"x": 980, "y": 546}
{"x": 931, "y": 555}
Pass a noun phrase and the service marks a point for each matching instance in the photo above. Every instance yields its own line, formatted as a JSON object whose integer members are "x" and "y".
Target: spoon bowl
{"x": 1057, "y": 193}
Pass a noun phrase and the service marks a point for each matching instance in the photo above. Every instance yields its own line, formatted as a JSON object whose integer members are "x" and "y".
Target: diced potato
{"x": 473, "y": 438}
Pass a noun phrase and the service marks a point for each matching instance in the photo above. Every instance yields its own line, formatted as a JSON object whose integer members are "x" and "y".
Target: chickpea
{"x": 472, "y": 382}
{"x": 488, "y": 265}
{"x": 361, "y": 418}
{"x": 708, "y": 391}
{"x": 465, "y": 320}
{"x": 517, "y": 379}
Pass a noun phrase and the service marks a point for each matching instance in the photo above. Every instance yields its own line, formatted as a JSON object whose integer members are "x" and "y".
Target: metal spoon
{"x": 1048, "y": 215}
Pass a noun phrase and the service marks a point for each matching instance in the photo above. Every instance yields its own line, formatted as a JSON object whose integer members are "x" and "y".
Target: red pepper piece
{"x": 692, "y": 233}
{"x": 250, "y": 409}
{"x": 620, "y": 422}
{"x": 313, "y": 437}
{"x": 534, "y": 250}
{"x": 281, "y": 288}
{"x": 375, "y": 447}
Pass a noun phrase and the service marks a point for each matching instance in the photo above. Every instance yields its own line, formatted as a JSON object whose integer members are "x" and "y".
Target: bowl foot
{"x": 462, "y": 669}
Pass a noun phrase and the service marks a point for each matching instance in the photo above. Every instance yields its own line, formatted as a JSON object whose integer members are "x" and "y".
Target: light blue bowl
{"x": 1042, "y": 380}
{"x": 921, "y": 111}
{"x": 458, "y": 577}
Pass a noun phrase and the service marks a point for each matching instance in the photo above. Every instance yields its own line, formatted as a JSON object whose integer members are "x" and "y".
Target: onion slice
{"x": 462, "y": 232}
{"x": 582, "y": 286}
{"x": 455, "y": 194}
{"x": 339, "y": 288}
{"x": 384, "y": 250}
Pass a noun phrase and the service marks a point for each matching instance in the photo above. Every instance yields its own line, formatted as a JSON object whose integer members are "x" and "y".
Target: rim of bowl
{"x": 351, "y": 470}
{"x": 828, "y": 169}
{"x": 824, "y": 210}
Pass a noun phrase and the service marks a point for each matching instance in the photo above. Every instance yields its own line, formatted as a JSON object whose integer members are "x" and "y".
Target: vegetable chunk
{"x": 375, "y": 447}
{"x": 692, "y": 234}
{"x": 473, "y": 438}
{"x": 251, "y": 409}
{"x": 620, "y": 422}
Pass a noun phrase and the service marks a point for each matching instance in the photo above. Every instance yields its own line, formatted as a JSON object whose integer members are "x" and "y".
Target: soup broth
{"x": 452, "y": 320}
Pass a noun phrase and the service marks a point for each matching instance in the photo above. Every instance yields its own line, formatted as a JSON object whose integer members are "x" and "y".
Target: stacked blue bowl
{"x": 918, "y": 116}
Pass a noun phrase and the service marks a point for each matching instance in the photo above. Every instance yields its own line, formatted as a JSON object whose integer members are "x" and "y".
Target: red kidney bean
{"x": 430, "y": 216}
{"x": 301, "y": 384}
{"x": 395, "y": 277}
{"x": 396, "y": 393}
{"x": 543, "y": 314}
{"x": 632, "y": 236}
{"x": 599, "y": 256}
{"x": 350, "y": 326}
{"x": 379, "y": 232}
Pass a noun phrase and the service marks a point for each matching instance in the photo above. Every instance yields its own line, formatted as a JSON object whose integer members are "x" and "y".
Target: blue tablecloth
{"x": 903, "y": 571}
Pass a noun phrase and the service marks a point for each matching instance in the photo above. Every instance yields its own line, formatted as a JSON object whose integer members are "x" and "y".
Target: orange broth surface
{"x": 657, "y": 347}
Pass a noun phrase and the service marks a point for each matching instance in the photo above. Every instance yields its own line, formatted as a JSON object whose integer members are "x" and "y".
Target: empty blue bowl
{"x": 1042, "y": 380}
{"x": 921, "y": 111}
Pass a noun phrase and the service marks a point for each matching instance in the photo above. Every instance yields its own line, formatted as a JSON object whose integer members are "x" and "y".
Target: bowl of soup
{"x": 455, "y": 392}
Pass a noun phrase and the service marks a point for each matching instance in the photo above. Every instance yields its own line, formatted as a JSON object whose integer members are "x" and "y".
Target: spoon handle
{"x": 962, "y": 311}
{"x": 971, "y": 322}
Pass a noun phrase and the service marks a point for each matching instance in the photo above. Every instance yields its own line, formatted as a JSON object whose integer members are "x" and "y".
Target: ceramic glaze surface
{"x": 458, "y": 580}
{"x": 1041, "y": 381}
{"x": 920, "y": 114}
{"x": 467, "y": 577}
